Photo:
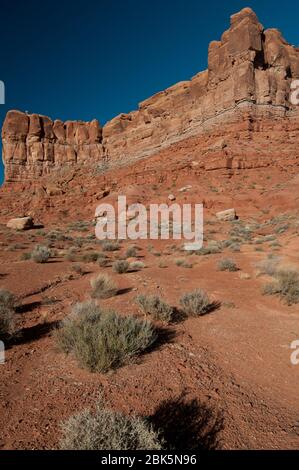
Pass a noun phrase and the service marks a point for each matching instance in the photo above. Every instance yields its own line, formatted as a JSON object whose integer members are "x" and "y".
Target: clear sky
{"x": 95, "y": 58}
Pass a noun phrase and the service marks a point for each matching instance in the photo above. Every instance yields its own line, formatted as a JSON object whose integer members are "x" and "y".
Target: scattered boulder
{"x": 229, "y": 214}
{"x": 171, "y": 197}
{"x": 20, "y": 223}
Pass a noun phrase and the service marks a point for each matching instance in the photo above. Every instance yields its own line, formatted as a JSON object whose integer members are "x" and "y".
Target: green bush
{"x": 105, "y": 429}
{"x": 103, "y": 340}
{"x": 195, "y": 303}
{"x": 153, "y": 305}
{"x": 40, "y": 254}
{"x": 7, "y": 314}
{"x": 103, "y": 287}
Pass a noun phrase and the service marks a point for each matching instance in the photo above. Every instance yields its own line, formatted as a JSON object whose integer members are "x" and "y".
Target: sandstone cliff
{"x": 245, "y": 90}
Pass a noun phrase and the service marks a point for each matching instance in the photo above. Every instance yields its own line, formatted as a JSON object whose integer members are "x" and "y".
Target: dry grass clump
{"x": 105, "y": 429}
{"x": 103, "y": 287}
{"x": 110, "y": 245}
{"x": 269, "y": 265}
{"x": 227, "y": 264}
{"x": 131, "y": 252}
{"x": 136, "y": 266}
{"x": 90, "y": 257}
{"x": 103, "y": 340}
{"x": 183, "y": 263}
{"x": 40, "y": 254}
{"x": 7, "y": 314}
{"x": 120, "y": 266}
{"x": 153, "y": 305}
{"x": 196, "y": 303}
{"x": 286, "y": 286}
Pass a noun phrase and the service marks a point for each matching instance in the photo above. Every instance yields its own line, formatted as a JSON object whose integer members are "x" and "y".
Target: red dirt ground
{"x": 235, "y": 359}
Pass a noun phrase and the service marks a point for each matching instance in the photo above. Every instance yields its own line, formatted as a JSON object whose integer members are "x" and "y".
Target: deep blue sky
{"x": 95, "y": 59}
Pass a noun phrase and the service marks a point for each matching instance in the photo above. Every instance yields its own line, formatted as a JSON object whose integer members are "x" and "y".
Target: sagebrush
{"x": 102, "y": 340}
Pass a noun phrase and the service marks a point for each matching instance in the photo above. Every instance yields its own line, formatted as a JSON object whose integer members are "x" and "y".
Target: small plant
{"x": 106, "y": 429}
{"x": 103, "y": 340}
{"x": 103, "y": 287}
{"x": 103, "y": 262}
{"x": 77, "y": 268}
{"x": 71, "y": 254}
{"x": 269, "y": 265}
{"x": 131, "y": 252}
{"x": 183, "y": 263}
{"x": 179, "y": 262}
{"x": 7, "y": 314}
{"x": 162, "y": 264}
{"x": 110, "y": 245}
{"x": 136, "y": 266}
{"x": 90, "y": 257}
{"x": 196, "y": 303}
{"x": 40, "y": 254}
{"x": 120, "y": 266}
{"x": 153, "y": 305}
{"x": 25, "y": 256}
{"x": 235, "y": 247}
{"x": 286, "y": 286}
{"x": 227, "y": 264}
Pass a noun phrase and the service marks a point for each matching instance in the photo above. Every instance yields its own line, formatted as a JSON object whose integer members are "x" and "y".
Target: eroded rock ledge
{"x": 248, "y": 79}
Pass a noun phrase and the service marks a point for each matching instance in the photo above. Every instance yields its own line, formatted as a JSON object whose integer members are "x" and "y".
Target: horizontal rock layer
{"x": 248, "y": 80}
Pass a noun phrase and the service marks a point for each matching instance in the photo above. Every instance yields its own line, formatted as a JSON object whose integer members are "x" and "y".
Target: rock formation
{"x": 243, "y": 95}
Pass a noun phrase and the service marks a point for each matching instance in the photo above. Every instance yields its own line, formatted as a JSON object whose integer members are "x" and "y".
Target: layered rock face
{"x": 246, "y": 89}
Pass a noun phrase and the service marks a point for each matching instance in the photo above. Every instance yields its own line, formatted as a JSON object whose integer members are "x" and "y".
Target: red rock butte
{"x": 238, "y": 109}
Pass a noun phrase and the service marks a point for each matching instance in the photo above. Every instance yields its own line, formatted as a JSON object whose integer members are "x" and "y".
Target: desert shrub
{"x": 227, "y": 264}
{"x": 103, "y": 262}
{"x": 103, "y": 287}
{"x": 183, "y": 263}
{"x": 103, "y": 340}
{"x": 105, "y": 429}
{"x": 40, "y": 254}
{"x": 78, "y": 269}
{"x": 179, "y": 262}
{"x": 120, "y": 266}
{"x": 71, "y": 254}
{"x": 7, "y": 314}
{"x": 235, "y": 247}
{"x": 162, "y": 264}
{"x": 153, "y": 305}
{"x": 195, "y": 303}
{"x": 90, "y": 257}
{"x": 136, "y": 266}
{"x": 110, "y": 245}
{"x": 286, "y": 286}
{"x": 25, "y": 256}
{"x": 131, "y": 252}
{"x": 268, "y": 265}
{"x": 211, "y": 249}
